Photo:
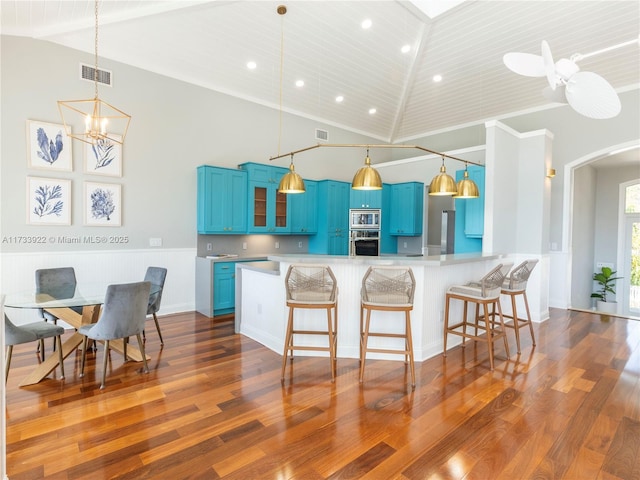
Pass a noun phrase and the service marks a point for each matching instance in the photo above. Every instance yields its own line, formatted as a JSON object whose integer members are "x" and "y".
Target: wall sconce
{"x": 551, "y": 172}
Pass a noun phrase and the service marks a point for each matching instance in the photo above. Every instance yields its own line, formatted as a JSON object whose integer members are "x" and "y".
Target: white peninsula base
{"x": 261, "y": 312}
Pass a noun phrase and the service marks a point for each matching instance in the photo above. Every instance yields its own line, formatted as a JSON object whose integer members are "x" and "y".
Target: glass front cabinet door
{"x": 268, "y": 212}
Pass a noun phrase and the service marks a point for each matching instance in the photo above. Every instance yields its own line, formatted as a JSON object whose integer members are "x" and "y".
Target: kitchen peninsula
{"x": 261, "y": 311}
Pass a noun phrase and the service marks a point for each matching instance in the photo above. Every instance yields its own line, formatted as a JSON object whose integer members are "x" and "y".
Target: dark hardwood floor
{"x": 213, "y": 407}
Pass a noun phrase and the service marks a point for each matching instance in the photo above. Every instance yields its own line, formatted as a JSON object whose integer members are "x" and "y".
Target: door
{"x": 630, "y": 247}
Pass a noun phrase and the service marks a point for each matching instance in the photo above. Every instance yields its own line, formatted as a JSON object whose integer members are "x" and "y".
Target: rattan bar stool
{"x": 312, "y": 287}
{"x": 485, "y": 292}
{"x": 514, "y": 285}
{"x": 389, "y": 289}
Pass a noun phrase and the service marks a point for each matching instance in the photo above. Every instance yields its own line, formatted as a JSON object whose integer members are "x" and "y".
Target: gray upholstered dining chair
{"x": 123, "y": 315}
{"x": 156, "y": 276}
{"x": 31, "y": 332}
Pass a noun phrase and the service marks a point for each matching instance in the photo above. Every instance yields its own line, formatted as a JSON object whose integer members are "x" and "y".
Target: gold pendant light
{"x": 102, "y": 121}
{"x": 467, "y": 188}
{"x": 367, "y": 177}
{"x": 291, "y": 182}
{"x": 443, "y": 183}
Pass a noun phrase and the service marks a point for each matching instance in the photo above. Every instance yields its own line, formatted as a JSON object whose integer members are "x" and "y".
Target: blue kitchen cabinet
{"x": 222, "y": 200}
{"x": 267, "y": 208}
{"x": 224, "y": 288}
{"x": 365, "y": 198}
{"x": 304, "y": 209}
{"x": 470, "y": 215}
{"x": 333, "y": 219}
{"x": 407, "y": 209}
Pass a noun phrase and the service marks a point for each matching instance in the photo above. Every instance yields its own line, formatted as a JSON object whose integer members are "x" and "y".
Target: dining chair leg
{"x": 409, "y": 343}
{"x": 41, "y": 348}
{"x": 144, "y": 355}
{"x": 332, "y": 344}
{"x": 526, "y": 306}
{"x": 125, "y": 341}
{"x": 155, "y": 319}
{"x": 85, "y": 344}
{"x": 60, "y": 358}
{"x": 7, "y": 362}
{"x": 104, "y": 362}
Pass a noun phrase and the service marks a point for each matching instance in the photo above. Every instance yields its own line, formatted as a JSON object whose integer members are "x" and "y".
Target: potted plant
{"x": 606, "y": 280}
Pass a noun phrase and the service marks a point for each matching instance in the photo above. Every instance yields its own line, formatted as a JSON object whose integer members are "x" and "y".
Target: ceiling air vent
{"x": 322, "y": 135}
{"x": 87, "y": 72}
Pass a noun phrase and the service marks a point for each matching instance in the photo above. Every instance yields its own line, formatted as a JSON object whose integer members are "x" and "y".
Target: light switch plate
{"x": 155, "y": 242}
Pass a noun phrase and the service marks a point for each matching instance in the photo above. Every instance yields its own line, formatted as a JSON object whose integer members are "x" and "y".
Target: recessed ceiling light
{"x": 251, "y": 65}
{"x": 405, "y": 49}
{"x": 366, "y": 23}
{"x": 339, "y": 98}
{"x": 372, "y": 111}
{"x": 437, "y": 78}
{"x": 299, "y": 83}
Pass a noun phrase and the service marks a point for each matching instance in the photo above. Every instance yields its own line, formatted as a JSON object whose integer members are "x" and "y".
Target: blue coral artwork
{"x": 103, "y": 204}
{"x": 104, "y": 157}
{"x": 48, "y": 146}
{"x": 48, "y": 201}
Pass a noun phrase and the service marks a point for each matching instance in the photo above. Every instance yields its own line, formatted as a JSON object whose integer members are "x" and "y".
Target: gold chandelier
{"x": 290, "y": 182}
{"x": 367, "y": 178}
{"x": 101, "y": 120}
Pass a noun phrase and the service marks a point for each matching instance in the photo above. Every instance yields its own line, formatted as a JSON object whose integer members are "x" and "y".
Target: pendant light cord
{"x": 281, "y": 75}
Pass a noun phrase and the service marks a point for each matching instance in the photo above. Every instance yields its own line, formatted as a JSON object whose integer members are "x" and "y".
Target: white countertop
{"x": 427, "y": 261}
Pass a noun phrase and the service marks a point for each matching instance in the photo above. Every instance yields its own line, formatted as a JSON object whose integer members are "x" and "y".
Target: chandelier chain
{"x": 95, "y": 71}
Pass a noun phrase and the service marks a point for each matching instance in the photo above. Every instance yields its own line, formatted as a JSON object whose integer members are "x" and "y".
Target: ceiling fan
{"x": 586, "y": 92}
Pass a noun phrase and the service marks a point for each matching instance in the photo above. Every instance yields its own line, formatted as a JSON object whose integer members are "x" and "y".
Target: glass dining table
{"x": 76, "y": 305}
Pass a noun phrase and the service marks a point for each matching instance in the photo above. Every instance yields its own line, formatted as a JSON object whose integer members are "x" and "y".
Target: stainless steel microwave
{"x": 364, "y": 219}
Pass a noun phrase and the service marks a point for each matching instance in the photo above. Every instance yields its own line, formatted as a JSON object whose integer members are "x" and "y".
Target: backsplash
{"x": 252, "y": 244}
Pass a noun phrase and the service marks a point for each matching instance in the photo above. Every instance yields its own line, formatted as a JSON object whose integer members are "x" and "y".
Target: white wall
{"x": 582, "y": 245}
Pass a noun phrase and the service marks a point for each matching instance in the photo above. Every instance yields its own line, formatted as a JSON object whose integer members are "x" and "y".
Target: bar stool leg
{"x": 332, "y": 345}
{"x": 489, "y": 330}
{"x": 526, "y": 305}
{"x": 504, "y": 333}
{"x": 287, "y": 343}
{"x": 516, "y": 322}
{"x": 365, "y": 341}
{"x": 409, "y": 344}
{"x": 446, "y": 323}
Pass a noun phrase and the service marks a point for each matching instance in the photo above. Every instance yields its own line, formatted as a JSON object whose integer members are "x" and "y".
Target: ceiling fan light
{"x": 443, "y": 183}
{"x": 291, "y": 182}
{"x": 367, "y": 177}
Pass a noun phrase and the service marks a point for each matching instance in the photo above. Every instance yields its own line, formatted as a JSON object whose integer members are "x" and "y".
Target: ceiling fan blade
{"x": 526, "y": 64}
{"x": 549, "y": 65}
{"x": 557, "y": 95}
{"x": 592, "y": 96}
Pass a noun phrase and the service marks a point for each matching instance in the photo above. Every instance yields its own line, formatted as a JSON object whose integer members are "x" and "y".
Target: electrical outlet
{"x": 405, "y": 244}
{"x": 209, "y": 247}
{"x": 299, "y": 244}
{"x": 277, "y": 244}
{"x": 155, "y": 242}
{"x": 244, "y": 245}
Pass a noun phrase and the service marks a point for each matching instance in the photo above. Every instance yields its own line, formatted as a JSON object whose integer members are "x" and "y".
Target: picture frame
{"x": 102, "y": 204}
{"x": 48, "y": 146}
{"x": 48, "y": 201}
{"x": 104, "y": 158}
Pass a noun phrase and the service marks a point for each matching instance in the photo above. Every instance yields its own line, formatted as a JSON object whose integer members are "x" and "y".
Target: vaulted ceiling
{"x": 323, "y": 43}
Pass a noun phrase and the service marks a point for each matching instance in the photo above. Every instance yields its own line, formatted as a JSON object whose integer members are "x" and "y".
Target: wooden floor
{"x": 213, "y": 407}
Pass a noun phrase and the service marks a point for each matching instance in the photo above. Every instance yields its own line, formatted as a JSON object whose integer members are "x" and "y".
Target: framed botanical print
{"x": 48, "y": 201}
{"x": 104, "y": 157}
{"x": 48, "y": 146}
{"x": 102, "y": 204}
